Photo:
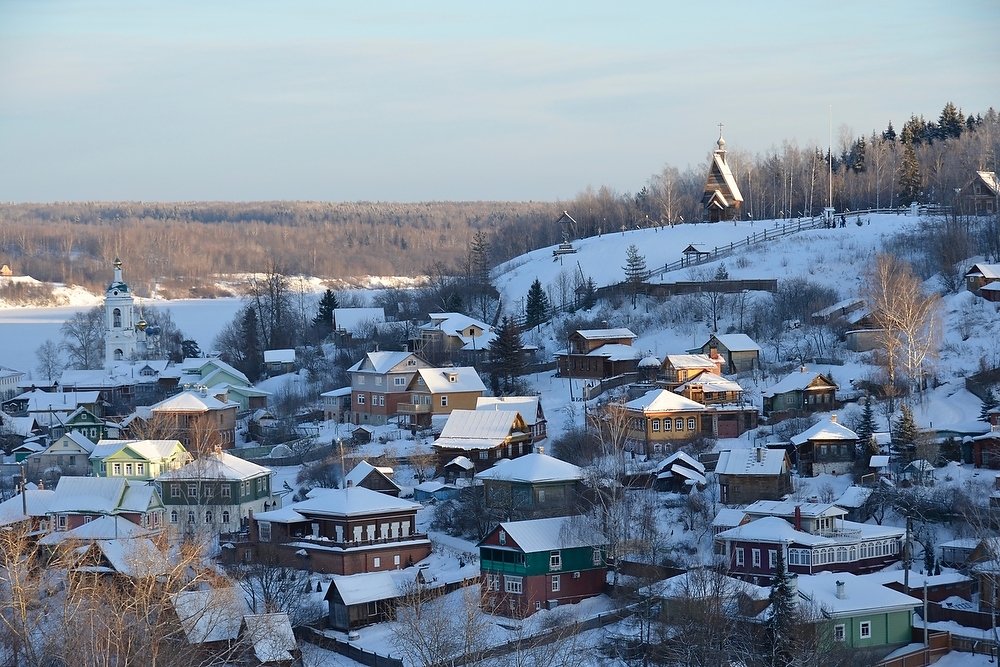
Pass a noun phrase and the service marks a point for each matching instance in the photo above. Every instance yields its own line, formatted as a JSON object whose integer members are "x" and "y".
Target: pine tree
{"x": 904, "y": 433}
{"x": 866, "y": 429}
{"x": 950, "y": 123}
{"x": 989, "y": 402}
{"x": 253, "y": 354}
{"x": 323, "y": 322}
{"x": 507, "y": 356}
{"x": 909, "y": 176}
{"x": 781, "y": 626}
{"x": 890, "y": 133}
{"x": 635, "y": 271}
{"x": 589, "y": 294}
{"x": 537, "y": 306}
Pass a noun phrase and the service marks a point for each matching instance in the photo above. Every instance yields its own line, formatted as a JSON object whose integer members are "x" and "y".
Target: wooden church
{"x": 722, "y": 199}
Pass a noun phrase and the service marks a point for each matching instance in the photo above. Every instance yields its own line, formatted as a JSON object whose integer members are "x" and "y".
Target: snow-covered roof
{"x": 447, "y": 380}
{"x": 737, "y": 342}
{"x": 757, "y": 461}
{"x": 854, "y": 496}
{"x": 432, "y": 486}
{"x": 271, "y": 636}
{"x": 879, "y": 461}
{"x": 852, "y": 302}
{"x": 825, "y": 430}
{"x": 917, "y": 578}
{"x": 88, "y": 494}
{"x": 991, "y": 287}
{"x": 860, "y": 594}
{"x": 217, "y": 465}
{"x": 352, "y": 319}
{"x": 352, "y": 501}
{"x": 661, "y": 400}
{"x": 102, "y": 528}
{"x": 795, "y": 381}
{"x": 527, "y": 406}
{"x": 727, "y": 175}
{"x": 152, "y": 450}
{"x": 379, "y": 362}
{"x": 991, "y": 180}
{"x": 533, "y": 468}
{"x": 729, "y": 517}
{"x": 211, "y": 615}
{"x": 107, "y": 447}
{"x": 74, "y": 377}
{"x": 787, "y": 508}
{"x": 36, "y": 500}
{"x": 920, "y": 465}
{"x": 690, "y": 476}
{"x": 649, "y": 362}
{"x": 683, "y": 458}
{"x": 191, "y": 400}
{"x": 363, "y": 469}
{"x": 482, "y": 342}
{"x": 285, "y": 356}
{"x": 606, "y": 334}
{"x": 454, "y": 323}
{"x": 711, "y": 382}
{"x": 59, "y": 401}
{"x": 616, "y": 352}
{"x": 988, "y": 271}
{"x": 134, "y": 557}
{"x": 701, "y": 583}
{"x": 197, "y": 366}
{"x": 370, "y": 586}
{"x": 476, "y": 429}
{"x": 774, "y": 530}
{"x": 690, "y": 361}
{"x": 564, "y": 532}
{"x": 81, "y": 441}
{"x": 334, "y": 393}
{"x": 461, "y": 462}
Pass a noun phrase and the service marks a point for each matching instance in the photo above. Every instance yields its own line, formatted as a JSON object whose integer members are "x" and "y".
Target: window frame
{"x": 840, "y": 632}
{"x": 865, "y": 630}
{"x": 513, "y": 584}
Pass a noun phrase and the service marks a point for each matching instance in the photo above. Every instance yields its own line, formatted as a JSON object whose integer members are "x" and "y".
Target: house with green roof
{"x": 216, "y": 493}
{"x": 88, "y": 423}
{"x": 137, "y": 459}
{"x": 528, "y": 565}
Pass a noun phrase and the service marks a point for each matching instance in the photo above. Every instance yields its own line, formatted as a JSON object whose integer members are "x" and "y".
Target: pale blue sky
{"x": 411, "y": 101}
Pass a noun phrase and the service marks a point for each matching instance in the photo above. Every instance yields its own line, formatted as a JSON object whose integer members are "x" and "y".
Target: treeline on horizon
{"x": 180, "y": 245}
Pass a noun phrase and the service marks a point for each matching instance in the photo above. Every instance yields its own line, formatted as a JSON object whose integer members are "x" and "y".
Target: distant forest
{"x": 181, "y": 244}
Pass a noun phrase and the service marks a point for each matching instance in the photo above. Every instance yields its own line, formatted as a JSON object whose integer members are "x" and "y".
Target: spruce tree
{"x": 537, "y": 306}
{"x": 866, "y": 429}
{"x": 635, "y": 271}
{"x": 253, "y": 352}
{"x": 989, "y": 403}
{"x": 904, "y": 433}
{"x": 909, "y": 176}
{"x": 323, "y": 322}
{"x": 781, "y": 626}
{"x": 506, "y": 356}
{"x": 589, "y": 294}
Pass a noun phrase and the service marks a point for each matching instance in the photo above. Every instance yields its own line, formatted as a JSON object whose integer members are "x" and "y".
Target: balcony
{"x": 413, "y": 408}
{"x": 851, "y": 533}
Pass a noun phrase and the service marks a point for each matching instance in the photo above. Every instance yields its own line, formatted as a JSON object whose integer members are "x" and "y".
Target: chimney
{"x": 841, "y": 594}
{"x": 760, "y": 455}
{"x": 833, "y": 418}
{"x": 802, "y": 369}
{"x": 713, "y": 352}
{"x": 350, "y": 483}
{"x": 798, "y": 517}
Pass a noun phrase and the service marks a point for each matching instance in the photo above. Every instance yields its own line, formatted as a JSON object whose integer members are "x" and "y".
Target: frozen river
{"x": 22, "y": 330}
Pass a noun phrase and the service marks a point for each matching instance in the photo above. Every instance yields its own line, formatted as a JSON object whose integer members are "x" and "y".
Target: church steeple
{"x": 721, "y": 143}
{"x": 123, "y": 337}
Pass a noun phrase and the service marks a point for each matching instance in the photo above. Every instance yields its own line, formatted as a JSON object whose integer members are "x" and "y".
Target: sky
{"x": 405, "y": 101}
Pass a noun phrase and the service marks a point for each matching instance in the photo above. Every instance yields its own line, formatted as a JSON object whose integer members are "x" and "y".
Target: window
{"x": 175, "y": 490}
{"x": 88, "y": 519}
{"x": 444, "y": 401}
{"x": 173, "y": 516}
{"x": 361, "y": 399}
{"x": 555, "y": 560}
{"x": 140, "y": 469}
{"x": 492, "y": 581}
{"x": 116, "y": 316}
{"x": 61, "y": 522}
{"x": 772, "y": 559}
{"x": 378, "y": 380}
{"x": 656, "y": 425}
{"x": 739, "y": 558}
{"x": 128, "y": 469}
{"x": 668, "y": 424}
{"x": 399, "y": 382}
{"x": 395, "y": 560}
{"x": 381, "y": 400}
{"x": 208, "y": 491}
{"x": 502, "y": 537}
{"x": 678, "y": 424}
{"x": 691, "y": 423}
{"x": 191, "y": 516}
{"x": 376, "y": 562}
{"x": 264, "y": 531}
{"x": 597, "y": 557}
{"x": 865, "y": 630}
{"x": 192, "y": 490}
{"x": 755, "y": 557}
{"x": 226, "y": 491}
{"x": 538, "y": 605}
{"x": 225, "y": 516}
{"x": 72, "y": 460}
{"x": 116, "y": 469}
{"x": 209, "y": 516}
{"x": 839, "y": 633}
{"x": 361, "y": 379}
{"x": 373, "y": 609}
{"x": 512, "y": 584}
{"x": 555, "y": 583}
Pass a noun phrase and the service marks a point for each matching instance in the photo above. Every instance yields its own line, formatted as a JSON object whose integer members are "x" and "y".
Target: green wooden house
{"x": 854, "y": 612}
{"x": 215, "y": 493}
{"x": 137, "y": 459}
{"x": 528, "y": 565}
{"x": 87, "y": 422}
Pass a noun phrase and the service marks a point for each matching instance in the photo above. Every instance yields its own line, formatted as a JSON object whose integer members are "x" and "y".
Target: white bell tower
{"x": 124, "y": 336}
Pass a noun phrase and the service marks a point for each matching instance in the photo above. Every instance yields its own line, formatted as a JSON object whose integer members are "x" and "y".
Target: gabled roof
{"x": 756, "y": 461}
{"x": 151, "y": 450}
{"x": 461, "y": 462}
{"x": 79, "y": 439}
{"x": 709, "y": 381}
{"x": 371, "y": 586}
{"x": 380, "y": 362}
{"x": 197, "y": 365}
{"x": 606, "y": 334}
{"x": 528, "y": 407}
{"x": 133, "y": 557}
{"x": 271, "y": 636}
{"x": 211, "y": 615}
{"x": 531, "y": 469}
{"x": 439, "y": 380}
{"x": 191, "y": 401}
{"x": 737, "y": 342}
{"x": 728, "y": 516}
{"x": 682, "y": 458}
{"x": 352, "y": 501}
{"x": 772, "y": 529}
{"x": 564, "y": 532}
{"x": 352, "y": 319}
{"x": 333, "y": 393}
{"x": 217, "y": 465}
{"x": 661, "y": 400}
{"x": 362, "y": 470}
{"x": 58, "y": 401}
{"x": 102, "y": 528}
{"x": 861, "y": 595}
{"x": 88, "y": 494}
{"x": 478, "y": 429}
{"x": 797, "y": 380}
{"x": 615, "y": 352}
{"x": 854, "y": 496}
{"x": 825, "y": 430}
{"x": 989, "y": 178}
{"x": 454, "y": 324}
{"x": 787, "y": 508}
{"x": 36, "y": 500}
{"x": 988, "y": 271}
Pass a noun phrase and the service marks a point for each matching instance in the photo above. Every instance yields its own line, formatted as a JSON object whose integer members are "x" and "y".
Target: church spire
{"x": 721, "y": 143}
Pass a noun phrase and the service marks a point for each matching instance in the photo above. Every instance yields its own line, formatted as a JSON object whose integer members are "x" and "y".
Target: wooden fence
{"x": 601, "y": 386}
{"x": 938, "y": 642}
{"x": 370, "y": 658}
